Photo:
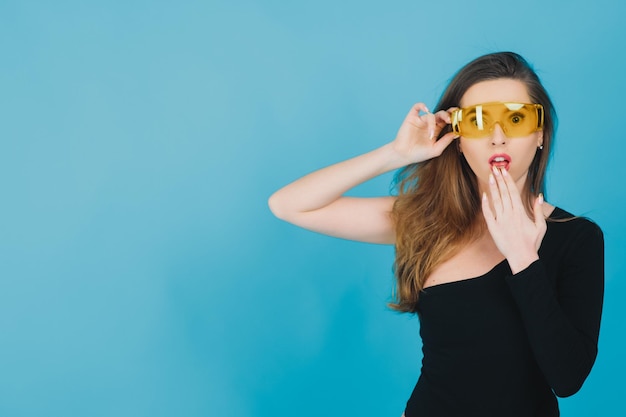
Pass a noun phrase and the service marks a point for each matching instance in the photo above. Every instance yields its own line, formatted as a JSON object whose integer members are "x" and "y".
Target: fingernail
{"x": 492, "y": 180}
{"x": 496, "y": 171}
{"x": 484, "y": 196}
{"x": 427, "y": 111}
{"x": 540, "y": 198}
{"x": 432, "y": 133}
{"x": 505, "y": 172}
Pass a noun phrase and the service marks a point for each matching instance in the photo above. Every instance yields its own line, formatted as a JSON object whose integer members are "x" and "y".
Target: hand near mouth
{"x": 517, "y": 236}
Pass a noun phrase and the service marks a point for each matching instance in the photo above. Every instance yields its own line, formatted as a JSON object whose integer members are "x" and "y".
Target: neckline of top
{"x": 467, "y": 281}
{"x": 555, "y": 214}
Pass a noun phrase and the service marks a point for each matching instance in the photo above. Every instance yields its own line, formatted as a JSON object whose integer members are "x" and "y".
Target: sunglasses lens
{"x": 515, "y": 119}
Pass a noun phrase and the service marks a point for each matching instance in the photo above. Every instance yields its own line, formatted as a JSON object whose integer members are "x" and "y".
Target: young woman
{"x": 508, "y": 288}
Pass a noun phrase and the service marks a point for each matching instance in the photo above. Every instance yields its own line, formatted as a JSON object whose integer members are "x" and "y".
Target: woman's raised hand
{"x": 317, "y": 201}
{"x": 416, "y": 140}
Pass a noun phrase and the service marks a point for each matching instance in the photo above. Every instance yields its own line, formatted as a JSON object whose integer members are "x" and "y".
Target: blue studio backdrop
{"x": 141, "y": 272}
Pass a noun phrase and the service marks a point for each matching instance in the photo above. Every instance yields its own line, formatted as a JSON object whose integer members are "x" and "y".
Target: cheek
{"x": 470, "y": 150}
{"x": 475, "y": 155}
{"x": 528, "y": 156}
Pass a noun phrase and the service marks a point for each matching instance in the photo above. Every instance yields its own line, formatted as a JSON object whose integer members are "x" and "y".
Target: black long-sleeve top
{"x": 507, "y": 345}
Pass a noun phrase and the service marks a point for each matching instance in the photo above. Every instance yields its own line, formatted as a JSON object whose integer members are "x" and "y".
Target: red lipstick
{"x": 500, "y": 160}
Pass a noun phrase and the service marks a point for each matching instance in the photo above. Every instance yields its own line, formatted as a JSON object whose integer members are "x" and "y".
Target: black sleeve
{"x": 563, "y": 322}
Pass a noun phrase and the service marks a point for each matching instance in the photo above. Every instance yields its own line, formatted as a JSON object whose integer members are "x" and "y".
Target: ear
{"x": 540, "y": 139}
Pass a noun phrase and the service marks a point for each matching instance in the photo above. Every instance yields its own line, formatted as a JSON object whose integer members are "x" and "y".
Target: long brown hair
{"x": 438, "y": 205}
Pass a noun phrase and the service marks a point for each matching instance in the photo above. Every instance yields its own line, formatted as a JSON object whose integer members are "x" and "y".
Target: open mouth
{"x": 500, "y": 161}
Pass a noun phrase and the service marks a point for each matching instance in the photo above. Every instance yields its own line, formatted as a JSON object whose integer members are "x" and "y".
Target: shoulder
{"x": 572, "y": 222}
{"x": 573, "y": 251}
{"x": 569, "y": 230}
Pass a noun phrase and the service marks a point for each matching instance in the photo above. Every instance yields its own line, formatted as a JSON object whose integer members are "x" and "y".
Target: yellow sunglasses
{"x": 515, "y": 119}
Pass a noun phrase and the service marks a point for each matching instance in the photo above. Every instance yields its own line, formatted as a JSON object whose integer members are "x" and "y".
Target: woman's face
{"x": 517, "y": 152}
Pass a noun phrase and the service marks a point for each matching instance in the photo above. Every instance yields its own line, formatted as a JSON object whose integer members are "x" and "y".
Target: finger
{"x": 429, "y": 118}
{"x": 503, "y": 188}
{"x": 423, "y": 121}
{"x": 540, "y": 220}
{"x": 494, "y": 192}
{"x": 443, "y": 142}
{"x": 414, "y": 113}
{"x": 417, "y": 108}
{"x": 487, "y": 213}
{"x": 538, "y": 211}
{"x": 516, "y": 199}
{"x": 443, "y": 118}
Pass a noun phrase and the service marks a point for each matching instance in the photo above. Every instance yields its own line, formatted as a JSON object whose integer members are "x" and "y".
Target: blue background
{"x": 141, "y": 271}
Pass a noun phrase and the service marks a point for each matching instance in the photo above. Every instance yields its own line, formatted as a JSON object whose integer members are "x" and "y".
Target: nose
{"x": 497, "y": 135}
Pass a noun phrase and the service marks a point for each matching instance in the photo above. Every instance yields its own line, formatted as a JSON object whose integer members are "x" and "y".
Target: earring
{"x": 540, "y": 147}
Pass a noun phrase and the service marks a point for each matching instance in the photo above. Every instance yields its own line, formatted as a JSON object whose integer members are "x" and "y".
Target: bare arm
{"x": 316, "y": 201}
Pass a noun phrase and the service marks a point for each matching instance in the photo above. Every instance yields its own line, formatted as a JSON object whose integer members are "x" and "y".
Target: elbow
{"x": 568, "y": 391}
{"x": 273, "y": 205}
{"x": 573, "y": 384}
{"x": 277, "y": 207}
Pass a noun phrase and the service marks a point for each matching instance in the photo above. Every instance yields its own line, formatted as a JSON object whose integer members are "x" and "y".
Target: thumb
{"x": 538, "y": 210}
{"x": 540, "y": 220}
{"x": 444, "y": 141}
